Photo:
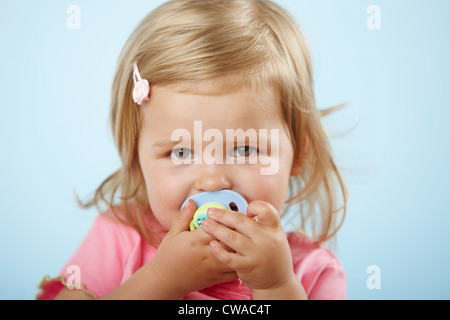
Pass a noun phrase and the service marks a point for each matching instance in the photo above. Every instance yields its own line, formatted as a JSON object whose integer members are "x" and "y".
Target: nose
{"x": 212, "y": 178}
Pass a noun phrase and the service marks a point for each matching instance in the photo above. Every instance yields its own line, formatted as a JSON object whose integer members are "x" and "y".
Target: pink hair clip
{"x": 141, "y": 90}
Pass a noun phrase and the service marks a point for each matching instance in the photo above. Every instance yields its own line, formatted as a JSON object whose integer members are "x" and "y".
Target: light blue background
{"x": 55, "y": 87}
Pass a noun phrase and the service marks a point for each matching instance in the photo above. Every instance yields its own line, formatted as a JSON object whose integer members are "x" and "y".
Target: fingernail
{"x": 211, "y": 212}
{"x": 190, "y": 204}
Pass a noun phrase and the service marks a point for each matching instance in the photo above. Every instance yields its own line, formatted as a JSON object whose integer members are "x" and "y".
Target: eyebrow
{"x": 165, "y": 143}
{"x": 260, "y": 139}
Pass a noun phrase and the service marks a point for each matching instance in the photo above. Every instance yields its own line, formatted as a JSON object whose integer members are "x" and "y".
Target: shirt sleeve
{"x": 319, "y": 271}
{"x": 330, "y": 284}
{"x": 96, "y": 267}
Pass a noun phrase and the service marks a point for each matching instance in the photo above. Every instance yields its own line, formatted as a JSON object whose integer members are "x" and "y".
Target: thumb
{"x": 182, "y": 220}
{"x": 265, "y": 213}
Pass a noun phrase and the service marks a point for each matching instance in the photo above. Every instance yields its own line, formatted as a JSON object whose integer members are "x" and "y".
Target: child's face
{"x": 172, "y": 118}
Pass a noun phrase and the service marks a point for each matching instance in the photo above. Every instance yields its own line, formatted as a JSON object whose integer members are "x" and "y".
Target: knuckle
{"x": 240, "y": 218}
{"x": 232, "y": 237}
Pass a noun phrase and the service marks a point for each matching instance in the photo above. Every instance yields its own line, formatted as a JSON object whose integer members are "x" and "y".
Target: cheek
{"x": 161, "y": 196}
{"x": 272, "y": 189}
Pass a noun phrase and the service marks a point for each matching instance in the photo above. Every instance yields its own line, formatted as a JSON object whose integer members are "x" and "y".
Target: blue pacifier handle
{"x": 225, "y": 197}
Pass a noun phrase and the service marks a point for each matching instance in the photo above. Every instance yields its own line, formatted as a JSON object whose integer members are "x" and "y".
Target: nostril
{"x": 233, "y": 206}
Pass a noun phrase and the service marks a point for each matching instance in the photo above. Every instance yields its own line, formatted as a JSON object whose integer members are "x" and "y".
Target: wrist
{"x": 145, "y": 284}
{"x": 162, "y": 284}
{"x": 291, "y": 289}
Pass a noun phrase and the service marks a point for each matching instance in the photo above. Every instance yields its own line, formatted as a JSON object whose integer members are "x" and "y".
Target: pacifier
{"x": 223, "y": 199}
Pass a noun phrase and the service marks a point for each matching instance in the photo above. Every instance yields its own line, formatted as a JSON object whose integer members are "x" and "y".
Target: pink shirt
{"x": 112, "y": 252}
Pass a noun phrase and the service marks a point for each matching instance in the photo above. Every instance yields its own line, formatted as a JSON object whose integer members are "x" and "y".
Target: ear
{"x": 297, "y": 163}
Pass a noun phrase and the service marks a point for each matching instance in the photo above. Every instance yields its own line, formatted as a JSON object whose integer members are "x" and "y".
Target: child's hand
{"x": 184, "y": 262}
{"x": 260, "y": 253}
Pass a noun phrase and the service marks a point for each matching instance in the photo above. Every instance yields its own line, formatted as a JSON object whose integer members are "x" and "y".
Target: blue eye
{"x": 181, "y": 154}
{"x": 244, "y": 151}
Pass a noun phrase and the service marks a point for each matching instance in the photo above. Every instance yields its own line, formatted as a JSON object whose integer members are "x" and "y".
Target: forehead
{"x": 213, "y": 103}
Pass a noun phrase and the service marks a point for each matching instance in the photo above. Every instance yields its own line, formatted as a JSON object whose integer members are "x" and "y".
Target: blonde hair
{"x": 251, "y": 42}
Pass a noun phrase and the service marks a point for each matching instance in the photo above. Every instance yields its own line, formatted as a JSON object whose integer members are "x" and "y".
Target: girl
{"x": 240, "y": 65}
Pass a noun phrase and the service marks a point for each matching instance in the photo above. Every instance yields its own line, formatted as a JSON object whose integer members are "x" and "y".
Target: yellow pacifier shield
{"x": 200, "y": 214}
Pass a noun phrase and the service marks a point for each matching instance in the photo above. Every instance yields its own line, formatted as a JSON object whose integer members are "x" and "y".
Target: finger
{"x": 201, "y": 236}
{"x": 265, "y": 213}
{"x": 205, "y": 238}
{"x": 225, "y": 247}
{"x": 233, "y": 220}
{"x": 182, "y": 220}
{"x": 231, "y": 238}
{"x": 231, "y": 260}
